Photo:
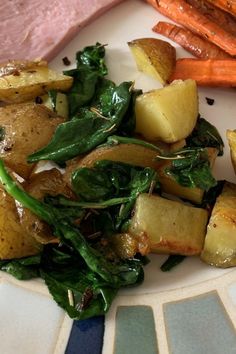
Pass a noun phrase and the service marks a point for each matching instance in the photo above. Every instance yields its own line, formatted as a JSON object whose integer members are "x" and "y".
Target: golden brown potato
{"x": 231, "y": 136}
{"x": 25, "y": 128}
{"x": 168, "y": 225}
{"x": 125, "y": 245}
{"x": 128, "y": 153}
{"x": 39, "y": 185}
{"x": 14, "y": 241}
{"x": 154, "y": 57}
{"x": 168, "y": 114}
{"x": 220, "y": 242}
{"x": 24, "y": 80}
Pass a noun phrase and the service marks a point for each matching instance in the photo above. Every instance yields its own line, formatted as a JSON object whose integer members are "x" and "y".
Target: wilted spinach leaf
{"x": 95, "y": 124}
{"x": 205, "y": 135}
{"x": 90, "y": 67}
{"x": 93, "y": 270}
{"x": 171, "y": 262}
{"x": 22, "y": 269}
{"x": 108, "y": 181}
{"x": 190, "y": 167}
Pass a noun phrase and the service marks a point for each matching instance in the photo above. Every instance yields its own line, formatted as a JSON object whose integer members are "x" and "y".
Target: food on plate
{"x": 103, "y": 103}
{"x": 133, "y": 154}
{"x": 39, "y": 185}
{"x": 91, "y": 229}
{"x": 187, "y": 16}
{"x": 231, "y": 136}
{"x": 206, "y": 72}
{"x": 25, "y": 127}
{"x": 168, "y": 225}
{"x": 172, "y": 187}
{"x": 57, "y": 102}
{"x": 14, "y": 242}
{"x": 226, "y": 5}
{"x": 169, "y": 113}
{"x": 22, "y": 81}
{"x": 214, "y": 13}
{"x": 220, "y": 242}
{"x": 190, "y": 41}
{"x": 44, "y": 28}
{"x": 154, "y": 57}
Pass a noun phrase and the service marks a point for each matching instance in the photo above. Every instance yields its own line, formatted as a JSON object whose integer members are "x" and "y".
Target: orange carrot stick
{"x": 184, "y": 14}
{"x": 190, "y": 41}
{"x": 215, "y": 14}
{"x": 206, "y": 72}
{"x": 226, "y": 5}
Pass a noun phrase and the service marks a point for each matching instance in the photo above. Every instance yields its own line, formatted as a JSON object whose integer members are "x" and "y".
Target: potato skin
{"x": 25, "y": 128}
{"x": 154, "y": 57}
{"x": 133, "y": 154}
{"x": 14, "y": 242}
{"x": 40, "y": 184}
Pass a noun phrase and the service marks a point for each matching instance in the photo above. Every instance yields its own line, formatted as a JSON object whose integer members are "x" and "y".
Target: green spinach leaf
{"x": 103, "y": 272}
{"x": 109, "y": 183}
{"x": 205, "y": 135}
{"x": 79, "y": 136}
{"x": 22, "y": 269}
{"x": 90, "y": 67}
{"x": 171, "y": 262}
{"x": 190, "y": 167}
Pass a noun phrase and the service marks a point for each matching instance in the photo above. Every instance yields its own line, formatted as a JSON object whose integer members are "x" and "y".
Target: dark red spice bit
{"x": 8, "y": 147}
{"x": 9, "y": 70}
{"x": 38, "y": 100}
{"x": 210, "y": 101}
{"x": 85, "y": 299}
{"x": 16, "y": 73}
{"x": 66, "y": 61}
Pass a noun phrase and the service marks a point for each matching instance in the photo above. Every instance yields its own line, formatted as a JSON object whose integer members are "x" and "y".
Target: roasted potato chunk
{"x": 220, "y": 243}
{"x": 231, "y": 136}
{"x": 154, "y": 57}
{"x": 133, "y": 154}
{"x": 14, "y": 241}
{"x": 24, "y": 80}
{"x": 169, "y": 113}
{"x": 125, "y": 245}
{"x": 48, "y": 182}
{"x": 168, "y": 225}
{"x": 25, "y": 128}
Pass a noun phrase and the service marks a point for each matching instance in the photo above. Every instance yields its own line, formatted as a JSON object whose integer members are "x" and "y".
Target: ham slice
{"x": 32, "y": 29}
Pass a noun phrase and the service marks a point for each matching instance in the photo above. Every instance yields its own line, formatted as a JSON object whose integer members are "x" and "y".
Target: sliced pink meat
{"x": 32, "y": 29}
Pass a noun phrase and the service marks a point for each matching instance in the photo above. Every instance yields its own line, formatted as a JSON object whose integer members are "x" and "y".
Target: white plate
{"x": 31, "y": 323}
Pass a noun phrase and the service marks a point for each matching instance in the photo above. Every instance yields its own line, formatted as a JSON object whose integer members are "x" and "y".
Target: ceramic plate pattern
{"x": 191, "y": 310}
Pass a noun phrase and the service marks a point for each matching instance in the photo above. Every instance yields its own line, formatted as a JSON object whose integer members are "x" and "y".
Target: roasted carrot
{"x": 215, "y": 14}
{"x": 226, "y": 5}
{"x": 184, "y": 14}
{"x": 206, "y": 72}
{"x": 190, "y": 41}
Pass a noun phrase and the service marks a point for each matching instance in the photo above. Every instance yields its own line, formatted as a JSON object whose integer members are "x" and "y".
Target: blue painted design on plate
{"x": 86, "y": 336}
{"x": 135, "y": 330}
{"x": 199, "y": 325}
